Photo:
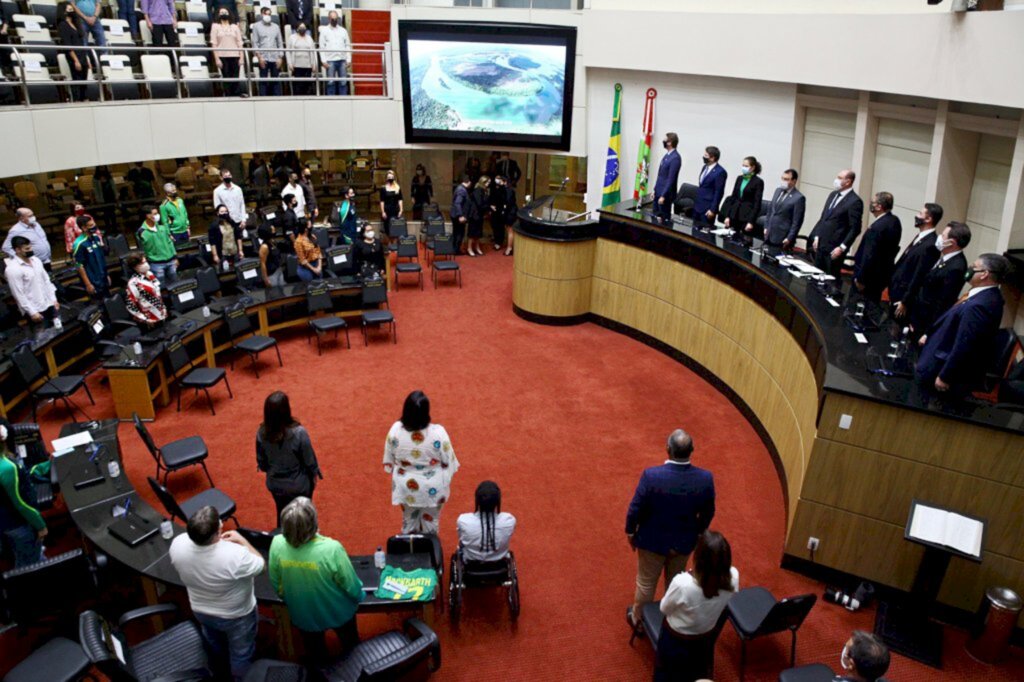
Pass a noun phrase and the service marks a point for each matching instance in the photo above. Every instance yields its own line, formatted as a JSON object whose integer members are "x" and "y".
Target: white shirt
{"x": 977, "y": 290}
{"x": 233, "y": 198}
{"x": 686, "y": 608}
{"x": 471, "y": 534}
{"x": 300, "y": 198}
{"x": 30, "y": 285}
{"x": 334, "y": 43}
{"x": 219, "y": 577}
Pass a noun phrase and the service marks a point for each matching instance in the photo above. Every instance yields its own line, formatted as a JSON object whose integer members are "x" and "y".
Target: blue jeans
{"x": 269, "y": 88}
{"x": 126, "y": 11}
{"x": 97, "y": 32}
{"x": 24, "y": 544}
{"x": 336, "y": 72}
{"x": 166, "y": 272}
{"x": 237, "y": 635}
{"x": 307, "y": 275}
{"x": 180, "y": 239}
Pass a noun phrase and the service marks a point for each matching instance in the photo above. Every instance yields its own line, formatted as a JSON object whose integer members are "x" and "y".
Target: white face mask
{"x": 144, "y": 269}
{"x": 941, "y": 242}
{"x": 156, "y": 219}
{"x": 369, "y": 234}
{"x": 745, "y": 170}
{"x": 838, "y": 184}
{"x": 784, "y": 186}
{"x": 266, "y": 18}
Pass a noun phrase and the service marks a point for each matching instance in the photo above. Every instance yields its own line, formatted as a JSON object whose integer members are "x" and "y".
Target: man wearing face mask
{"x": 162, "y": 20}
{"x": 90, "y": 257}
{"x": 230, "y": 195}
{"x": 309, "y": 194}
{"x": 785, "y": 214}
{"x": 31, "y": 230}
{"x": 668, "y": 178}
{"x": 957, "y": 348}
{"x": 155, "y": 240}
{"x": 226, "y": 41}
{"x": 303, "y": 60}
{"x": 710, "y": 189}
{"x": 348, "y": 221}
{"x": 941, "y": 285}
{"x": 876, "y": 255}
{"x": 142, "y": 292}
{"x": 838, "y": 226}
{"x": 916, "y": 260}
{"x": 30, "y": 285}
{"x": 267, "y": 41}
{"x": 334, "y": 52}
{"x": 174, "y": 215}
{"x": 290, "y": 226}
{"x": 294, "y": 190}
{"x": 864, "y": 658}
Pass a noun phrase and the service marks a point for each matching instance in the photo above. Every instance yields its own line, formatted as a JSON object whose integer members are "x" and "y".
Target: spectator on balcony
{"x": 72, "y": 34}
{"x": 299, "y": 12}
{"x": 303, "y": 61}
{"x": 226, "y": 41}
{"x": 162, "y": 22}
{"x": 268, "y": 43}
{"x": 335, "y": 49}
{"x": 89, "y": 13}
{"x": 126, "y": 12}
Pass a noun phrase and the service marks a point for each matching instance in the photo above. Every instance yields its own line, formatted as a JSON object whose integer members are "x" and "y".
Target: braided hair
{"x": 488, "y": 503}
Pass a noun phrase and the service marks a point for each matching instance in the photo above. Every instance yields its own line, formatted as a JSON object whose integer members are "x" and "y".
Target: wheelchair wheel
{"x": 513, "y": 589}
{"x": 454, "y": 591}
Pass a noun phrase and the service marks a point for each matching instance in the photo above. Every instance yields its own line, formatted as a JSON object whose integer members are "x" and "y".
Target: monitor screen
{"x": 494, "y": 83}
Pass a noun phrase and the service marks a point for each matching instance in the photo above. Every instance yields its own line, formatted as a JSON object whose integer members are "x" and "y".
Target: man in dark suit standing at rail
{"x": 668, "y": 178}
{"x": 838, "y": 226}
{"x": 673, "y": 504}
{"x": 941, "y": 285}
{"x": 785, "y": 214}
{"x": 916, "y": 260}
{"x": 876, "y": 255}
{"x": 710, "y": 189}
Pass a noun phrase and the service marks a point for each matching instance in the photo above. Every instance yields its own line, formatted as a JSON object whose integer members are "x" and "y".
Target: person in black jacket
{"x": 511, "y": 215}
{"x": 370, "y": 254}
{"x": 479, "y": 206}
{"x": 460, "y": 211}
{"x": 422, "y": 191}
{"x": 498, "y": 210}
{"x": 285, "y": 452}
{"x": 876, "y": 255}
{"x": 744, "y": 204}
{"x": 298, "y": 12}
{"x": 838, "y": 226}
{"x": 941, "y": 285}
{"x": 916, "y": 260}
{"x": 225, "y": 239}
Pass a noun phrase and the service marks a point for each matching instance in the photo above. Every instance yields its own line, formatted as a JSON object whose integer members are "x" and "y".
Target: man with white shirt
{"x": 838, "y": 226}
{"x": 295, "y": 189}
{"x": 218, "y": 570}
{"x": 334, "y": 52}
{"x": 916, "y": 260}
{"x": 30, "y": 284}
{"x": 230, "y": 195}
{"x": 941, "y": 285}
{"x": 958, "y": 346}
{"x": 30, "y": 229}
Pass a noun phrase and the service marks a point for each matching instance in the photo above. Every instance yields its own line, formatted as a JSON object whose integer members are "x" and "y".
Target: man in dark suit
{"x": 710, "y": 189}
{"x": 941, "y": 285}
{"x": 673, "y": 504}
{"x": 915, "y": 261}
{"x": 508, "y": 167}
{"x": 299, "y": 12}
{"x": 838, "y": 226}
{"x": 460, "y": 211}
{"x": 955, "y": 351}
{"x": 785, "y": 215}
{"x": 876, "y": 255}
{"x": 668, "y": 178}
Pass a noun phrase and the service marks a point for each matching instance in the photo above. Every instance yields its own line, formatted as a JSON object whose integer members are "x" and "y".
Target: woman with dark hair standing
{"x": 391, "y": 205}
{"x": 744, "y": 204}
{"x": 285, "y": 453}
{"x": 479, "y": 207}
{"x": 692, "y": 605}
{"x": 485, "y": 534}
{"x": 419, "y": 456}
{"x": 422, "y": 191}
{"x": 73, "y": 35}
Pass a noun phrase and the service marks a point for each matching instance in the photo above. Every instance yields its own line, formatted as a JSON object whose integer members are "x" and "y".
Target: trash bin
{"x": 998, "y": 615}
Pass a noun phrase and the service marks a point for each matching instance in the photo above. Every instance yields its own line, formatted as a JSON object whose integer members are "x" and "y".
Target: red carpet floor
{"x": 564, "y": 419}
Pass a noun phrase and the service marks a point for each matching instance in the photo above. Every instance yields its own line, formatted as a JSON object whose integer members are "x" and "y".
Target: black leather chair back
{"x": 407, "y": 247}
{"x": 92, "y": 635}
{"x": 339, "y": 259}
{"x": 318, "y": 298}
{"x": 116, "y": 309}
{"x": 397, "y": 227}
{"x": 237, "y": 321}
{"x": 322, "y": 236}
{"x": 787, "y": 614}
{"x": 28, "y": 366}
{"x": 418, "y": 543}
{"x": 375, "y": 292}
{"x": 209, "y": 282}
{"x": 443, "y": 245}
{"x": 55, "y": 585}
{"x": 147, "y": 439}
{"x": 247, "y": 272}
{"x": 167, "y": 499}
{"x": 177, "y": 355}
{"x": 185, "y": 295}
{"x": 118, "y": 245}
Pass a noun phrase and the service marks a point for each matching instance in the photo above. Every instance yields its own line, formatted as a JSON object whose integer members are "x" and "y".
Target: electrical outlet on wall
{"x": 812, "y": 544}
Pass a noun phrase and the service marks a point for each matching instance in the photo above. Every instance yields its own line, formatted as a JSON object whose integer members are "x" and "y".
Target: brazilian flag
{"x": 611, "y": 168}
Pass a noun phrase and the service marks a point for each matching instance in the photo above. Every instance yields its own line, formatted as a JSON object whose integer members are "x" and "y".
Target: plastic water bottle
{"x": 137, "y": 348}
{"x": 206, "y": 311}
{"x": 379, "y": 558}
{"x": 113, "y": 468}
{"x": 57, "y": 324}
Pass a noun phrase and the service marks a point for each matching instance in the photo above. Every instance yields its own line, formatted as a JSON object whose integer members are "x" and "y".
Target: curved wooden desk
{"x": 782, "y": 352}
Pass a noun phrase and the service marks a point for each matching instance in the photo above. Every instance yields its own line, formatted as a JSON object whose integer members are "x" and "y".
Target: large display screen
{"x": 494, "y": 83}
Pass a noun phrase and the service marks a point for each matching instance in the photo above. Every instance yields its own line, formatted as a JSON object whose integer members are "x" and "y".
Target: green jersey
{"x": 417, "y": 585}
{"x": 317, "y": 581}
{"x": 156, "y": 242}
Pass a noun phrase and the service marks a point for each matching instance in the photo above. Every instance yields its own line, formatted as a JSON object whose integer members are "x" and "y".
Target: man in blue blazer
{"x": 785, "y": 214}
{"x": 710, "y": 189}
{"x": 673, "y": 504}
{"x": 956, "y": 349}
{"x": 668, "y": 178}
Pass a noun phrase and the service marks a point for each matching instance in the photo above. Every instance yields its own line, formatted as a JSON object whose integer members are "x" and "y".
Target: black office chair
{"x": 444, "y": 247}
{"x": 209, "y": 281}
{"x": 178, "y": 649}
{"x": 118, "y": 245}
{"x": 211, "y": 497}
{"x": 375, "y": 292}
{"x": 408, "y": 247}
{"x": 1001, "y": 355}
{"x": 59, "y": 660}
{"x": 421, "y": 543}
{"x": 197, "y": 378}
{"x": 465, "y": 574}
{"x": 323, "y": 237}
{"x": 651, "y": 622}
{"x": 238, "y": 324}
{"x": 339, "y": 260}
{"x": 397, "y": 228}
{"x": 48, "y": 590}
{"x": 413, "y": 653}
{"x": 813, "y": 672}
{"x": 204, "y": 252}
{"x": 247, "y": 274}
{"x": 126, "y": 328}
{"x": 259, "y": 539}
{"x": 754, "y": 613}
{"x": 685, "y": 199}
{"x": 291, "y": 268}
{"x": 185, "y": 295}
{"x": 432, "y": 226}
{"x": 177, "y": 454}
{"x": 31, "y": 371}
{"x": 318, "y": 299}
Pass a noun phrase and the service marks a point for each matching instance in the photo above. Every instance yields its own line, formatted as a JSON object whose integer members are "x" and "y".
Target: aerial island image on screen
{"x": 487, "y": 87}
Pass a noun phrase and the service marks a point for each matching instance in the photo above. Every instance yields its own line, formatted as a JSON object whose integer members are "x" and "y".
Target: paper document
{"x": 947, "y": 528}
{"x": 98, "y": 326}
{"x": 33, "y": 27}
{"x": 33, "y": 67}
{"x": 832, "y": 302}
{"x": 185, "y": 296}
{"x": 249, "y": 274}
{"x": 68, "y": 442}
{"x": 271, "y": 216}
{"x": 722, "y": 232}
{"x": 340, "y": 258}
{"x": 116, "y": 29}
{"x": 860, "y": 337}
{"x": 191, "y": 31}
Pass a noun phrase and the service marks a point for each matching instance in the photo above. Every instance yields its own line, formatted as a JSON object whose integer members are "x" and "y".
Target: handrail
{"x": 248, "y": 77}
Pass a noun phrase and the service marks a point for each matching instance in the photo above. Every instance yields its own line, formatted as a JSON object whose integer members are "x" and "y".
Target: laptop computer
{"x": 133, "y": 530}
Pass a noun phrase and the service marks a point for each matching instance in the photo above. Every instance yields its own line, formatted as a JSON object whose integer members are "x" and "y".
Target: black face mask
{"x": 29, "y": 254}
{"x": 334, "y": 22}
{"x": 707, "y": 160}
{"x": 918, "y": 222}
{"x": 92, "y": 230}
{"x": 227, "y": 181}
{"x": 173, "y": 195}
{"x": 664, "y": 144}
{"x": 223, "y": 216}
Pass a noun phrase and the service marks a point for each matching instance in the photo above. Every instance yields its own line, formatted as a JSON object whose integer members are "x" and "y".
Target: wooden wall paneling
{"x": 557, "y": 298}
{"x": 555, "y": 260}
{"x": 966, "y": 581}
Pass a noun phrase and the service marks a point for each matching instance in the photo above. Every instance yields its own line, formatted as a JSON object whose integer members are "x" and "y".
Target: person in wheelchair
{"x": 485, "y": 534}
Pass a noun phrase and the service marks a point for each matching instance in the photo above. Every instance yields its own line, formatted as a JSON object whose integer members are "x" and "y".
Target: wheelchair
{"x": 464, "y": 574}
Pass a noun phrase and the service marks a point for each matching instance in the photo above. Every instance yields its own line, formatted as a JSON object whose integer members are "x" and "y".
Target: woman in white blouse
{"x": 692, "y": 605}
{"x": 421, "y": 461}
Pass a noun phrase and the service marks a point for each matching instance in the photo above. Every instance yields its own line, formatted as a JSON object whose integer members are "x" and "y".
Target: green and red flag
{"x": 643, "y": 160}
